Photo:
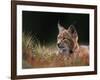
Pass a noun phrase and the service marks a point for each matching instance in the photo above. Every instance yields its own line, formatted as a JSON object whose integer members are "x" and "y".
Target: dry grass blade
{"x": 36, "y": 55}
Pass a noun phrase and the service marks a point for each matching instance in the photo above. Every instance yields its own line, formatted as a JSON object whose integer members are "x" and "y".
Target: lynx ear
{"x": 61, "y": 28}
{"x": 73, "y": 32}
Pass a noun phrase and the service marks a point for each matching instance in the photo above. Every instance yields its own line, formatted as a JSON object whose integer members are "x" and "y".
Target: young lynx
{"x": 67, "y": 43}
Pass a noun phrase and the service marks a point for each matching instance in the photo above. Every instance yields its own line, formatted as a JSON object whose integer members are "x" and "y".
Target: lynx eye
{"x": 64, "y": 38}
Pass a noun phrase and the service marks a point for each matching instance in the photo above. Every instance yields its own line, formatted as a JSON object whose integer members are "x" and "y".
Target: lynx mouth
{"x": 63, "y": 49}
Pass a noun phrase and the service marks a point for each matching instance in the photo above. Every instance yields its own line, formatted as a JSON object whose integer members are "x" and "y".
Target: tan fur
{"x": 68, "y": 41}
{"x": 84, "y": 54}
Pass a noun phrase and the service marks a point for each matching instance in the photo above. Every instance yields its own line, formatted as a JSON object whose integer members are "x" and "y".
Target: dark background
{"x": 44, "y": 25}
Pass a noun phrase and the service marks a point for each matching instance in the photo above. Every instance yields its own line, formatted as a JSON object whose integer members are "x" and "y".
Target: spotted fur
{"x": 67, "y": 43}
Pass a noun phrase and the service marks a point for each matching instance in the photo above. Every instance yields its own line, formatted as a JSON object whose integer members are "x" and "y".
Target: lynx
{"x": 67, "y": 43}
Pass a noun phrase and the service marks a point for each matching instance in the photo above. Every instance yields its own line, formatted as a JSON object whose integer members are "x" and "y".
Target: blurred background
{"x": 43, "y": 25}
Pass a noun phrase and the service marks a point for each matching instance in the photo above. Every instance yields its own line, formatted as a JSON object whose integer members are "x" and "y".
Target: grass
{"x": 36, "y": 55}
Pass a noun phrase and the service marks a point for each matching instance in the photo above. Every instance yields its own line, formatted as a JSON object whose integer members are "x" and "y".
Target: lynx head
{"x": 67, "y": 39}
